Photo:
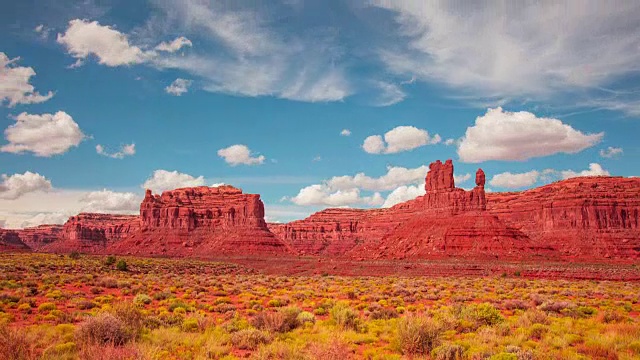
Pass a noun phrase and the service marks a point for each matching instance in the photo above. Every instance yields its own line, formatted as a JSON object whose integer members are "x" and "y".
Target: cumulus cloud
{"x": 611, "y": 152}
{"x": 163, "y": 180}
{"x": 125, "y": 150}
{"x": 53, "y": 218}
{"x": 110, "y": 46}
{"x": 503, "y": 135}
{"x": 17, "y": 185}
{"x": 107, "y": 201}
{"x": 347, "y": 190}
{"x": 595, "y": 169}
{"x": 402, "y": 194}
{"x": 514, "y": 181}
{"x": 174, "y": 45}
{"x": 44, "y": 135}
{"x": 396, "y": 176}
{"x": 401, "y": 138}
{"x": 14, "y": 83}
{"x": 496, "y": 52}
{"x": 322, "y": 195}
{"x": 178, "y": 87}
{"x": 345, "y": 132}
{"x": 239, "y": 155}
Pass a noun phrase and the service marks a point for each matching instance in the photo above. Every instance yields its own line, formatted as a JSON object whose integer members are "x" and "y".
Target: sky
{"x": 311, "y": 104}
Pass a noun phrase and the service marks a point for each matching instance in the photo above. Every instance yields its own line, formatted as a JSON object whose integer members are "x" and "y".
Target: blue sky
{"x": 101, "y": 99}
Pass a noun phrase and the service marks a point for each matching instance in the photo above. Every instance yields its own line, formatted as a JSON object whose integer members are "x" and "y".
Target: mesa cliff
{"x": 584, "y": 219}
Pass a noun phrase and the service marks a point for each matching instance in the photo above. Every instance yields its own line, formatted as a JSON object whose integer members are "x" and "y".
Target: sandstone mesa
{"x": 585, "y": 218}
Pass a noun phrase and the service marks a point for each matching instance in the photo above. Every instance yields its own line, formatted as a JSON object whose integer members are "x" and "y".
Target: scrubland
{"x": 90, "y": 307}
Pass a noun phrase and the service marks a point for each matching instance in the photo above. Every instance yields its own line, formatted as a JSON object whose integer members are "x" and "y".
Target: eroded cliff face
{"x": 39, "y": 236}
{"x": 202, "y": 221}
{"x": 10, "y": 241}
{"x": 447, "y": 221}
{"x": 585, "y": 217}
{"x": 589, "y": 218}
{"x": 93, "y": 233}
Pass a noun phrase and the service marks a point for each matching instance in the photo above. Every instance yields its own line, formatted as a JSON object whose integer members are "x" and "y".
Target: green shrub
{"x": 122, "y": 265}
{"x": 345, "y": 317}
{"x": 418, "y": 335}
{"x": 110, "y": 260}
{"x": 483, "y": 314}
{"x": 282, "y": 321}
{"x": 504, "y": 356}
{"x": 74, "y": 255}
{"x": 46, "y": 307}
{"x": 142, "y": 299}
{"x": 250, "y": 339}
{"x": 306, "y": 317}
{"x": 448, "y": 352}
{"x": 103, "y": 329}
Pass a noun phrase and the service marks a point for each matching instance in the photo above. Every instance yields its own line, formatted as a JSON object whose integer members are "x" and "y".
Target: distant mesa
{"x": 583, "y": 219}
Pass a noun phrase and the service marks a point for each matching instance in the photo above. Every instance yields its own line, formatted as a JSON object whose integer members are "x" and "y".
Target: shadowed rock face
{"x": 39, "y": 236}
{"x": 586, "y": 218}
{"x": 10, "y": 241}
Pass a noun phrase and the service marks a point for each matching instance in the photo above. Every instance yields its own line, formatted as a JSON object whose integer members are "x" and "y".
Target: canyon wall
{"x": 10, "y": 241}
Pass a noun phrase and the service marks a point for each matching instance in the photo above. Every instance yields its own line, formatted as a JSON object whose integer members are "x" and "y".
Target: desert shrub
{"x": 131, "y": 316}
{"x": 14, "y": 344}
{"x": 504, "y": 356}
{"x": 190, "y": 325}
{"x": 306, "y": 317}
{"x": 104, "y": 328}
{"x": 279, "y": 351}
{"x": 334, "y": 349}
{"x": 46, "y": 307}
{"x": 108, "y": 282}
{"x": 65, "y": 350}
{"x": 418, "y": 335}
{"x": 520, "y": 353}
{"x": 26, "y": 308}
{"x": 533, "y": 316}
{"x": 250, "y": 339}
{"x": 110, "y": 260}
{"x": 162, "y": 295}
{"x": 74, "y": 255}
{"x": 537, "y": 331}
{"x": 598, "y": 351}
{"x": 142, "y": 299}
{"x": 282, "y": 321}
{"x": 345, "y": 317}
{"x": 177, "y": 305}
{"x": 611, "y": 316}
{"x": 85, "y": 305}
{"x": 482, "y": 314}
{"x": 448, "y": 352}
{"x": 122, "y": 265}
{"x": 377, "y": 312}
{"x": 514, "y": 305}
{"x": 554, "y": 306}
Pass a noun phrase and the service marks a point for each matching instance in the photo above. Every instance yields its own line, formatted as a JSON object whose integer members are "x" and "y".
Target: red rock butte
{"x": 584, "y": 219}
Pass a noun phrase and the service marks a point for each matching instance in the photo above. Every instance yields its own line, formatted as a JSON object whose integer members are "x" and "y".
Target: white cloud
{"x": 239, "y": 155}
{"x": 251, "y": 59}
{"x": 503, "y": 135}
{"x": 52, "y": 218}
{"x": 175, "y": 45}
{"x": 14, "y": 83}
{"x": 459, "y": 179}
{"x": 401, "y": 138}
{"x": 44, "y": 135}
{"x": 2, "y": 223}
{"x": 396, "y": 176}
{"x": 111, "y": 47}
{"x": 611, "y": 152}
{"x": 402, "y": 194}
{"x": 346, "y": 190}
{"x": 450, "y": 142}
{"x": 322, "y": 195}
{"x": 317, "y": 158}
{"x": 594, "y": 170}
{"x": 178, "y": 87}
{"x": 106, "y": 201}
{"x": 513, "y": 181}
{"x": 17, "y": 185}
{"x": 43, "y": 31}
{"x": 345, "y": 132}
{"x": 390, "y": 94}
{"x": 163, "y": 180}
{"x": 125, "y": 150}
{"x": 533, "y": 49}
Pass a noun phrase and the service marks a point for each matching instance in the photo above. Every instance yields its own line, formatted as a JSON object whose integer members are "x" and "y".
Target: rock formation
{"x": 202, "y": 221}
{"x": 39, "y": 236}
{"x": 583, "y": 217}
{"x": 93, "y": 233}
{"x": 10, "y": 241}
